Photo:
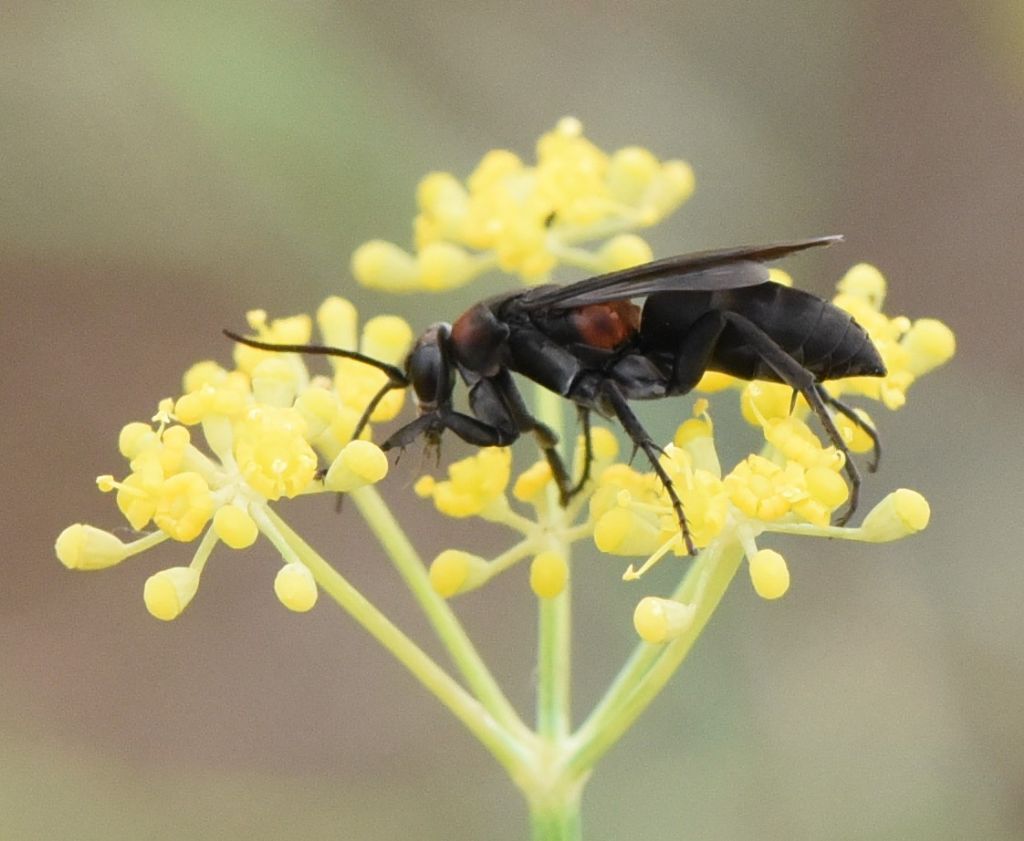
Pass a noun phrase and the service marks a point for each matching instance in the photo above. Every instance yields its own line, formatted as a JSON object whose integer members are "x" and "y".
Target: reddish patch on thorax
{"x": 607, "y": 325}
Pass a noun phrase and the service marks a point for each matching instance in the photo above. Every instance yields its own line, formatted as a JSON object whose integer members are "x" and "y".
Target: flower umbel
{"x": 216, "y": 464}
{"x": 266, "y": 425}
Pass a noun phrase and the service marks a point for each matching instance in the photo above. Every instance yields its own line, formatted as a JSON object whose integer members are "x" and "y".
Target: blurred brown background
{"x": 165, "y": 166}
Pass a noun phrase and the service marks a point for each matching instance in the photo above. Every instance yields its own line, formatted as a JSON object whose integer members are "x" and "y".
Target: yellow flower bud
{"x": 623, "y": 252}
{"x": 604, "y": 443}
{"x": 205, "y": 373}
{"x": 549, "y": 573}
{"x": 761, "y": 401}
{"x": 531, "y": 482}
{"x": 318, "y": 408}
{"x": 387, "y": 338}
{"x": 630, "y": 171}
{"x": 168, "y": 592}
{"x": 827, "y": 487}
{"x": 191, "y": 408}
{"x": 454, "y": 571}
{"x": 383, "y": 265}
{"x": 336, "y": 317}
{"x": 929, "y": 343}
{"x": 901, "y": 513}
{"x": 86, "y": 547}
{"x": 235, "y": 527}
{"x": 444, "y": 265}
{"x": 135, "y": 437}
{"x": 769, "y": 574}
{"x": 866, "y": 283}
{"x": 274, "y": 382}
{"x": 621, "y": 531}
{"x": 359, "y": 463}
{"x": 295, "y": 587}
{"x": 661, "y": 620}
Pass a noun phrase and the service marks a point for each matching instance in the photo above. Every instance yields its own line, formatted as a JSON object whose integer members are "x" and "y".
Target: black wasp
{"x": 590, "y": 343}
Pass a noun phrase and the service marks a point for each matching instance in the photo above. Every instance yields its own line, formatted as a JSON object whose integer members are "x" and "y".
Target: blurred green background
{"x": 166, "y": 166}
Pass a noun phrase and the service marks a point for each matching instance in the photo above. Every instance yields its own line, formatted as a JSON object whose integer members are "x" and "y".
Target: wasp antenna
{"x": 395, "y": 374}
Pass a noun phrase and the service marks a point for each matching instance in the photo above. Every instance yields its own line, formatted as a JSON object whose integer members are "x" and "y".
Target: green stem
{"x": 510, "y": 751}
{"x": 651, "y": 667}
{"x": 554, "y": 636}
{"x": 447, "y": 626}
{"x": 557, "y": 818}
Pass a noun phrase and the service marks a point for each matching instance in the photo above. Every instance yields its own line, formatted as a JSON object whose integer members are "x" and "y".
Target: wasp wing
{"x": 703, "y": 271}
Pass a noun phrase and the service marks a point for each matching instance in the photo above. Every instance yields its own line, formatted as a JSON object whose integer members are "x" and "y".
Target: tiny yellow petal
{"x": 235, "y": 527}
{"x": 769, "y": 574}
{"x": 660, "y": 620}
{"x": 168, "y": 592}
{"x": 86, "y": 547}
{"x": 549, "y": 573}
{"x": 295, "y": 587}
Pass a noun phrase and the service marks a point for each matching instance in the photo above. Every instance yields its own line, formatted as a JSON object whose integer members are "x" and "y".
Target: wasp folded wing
{"x": 703, "y": 271}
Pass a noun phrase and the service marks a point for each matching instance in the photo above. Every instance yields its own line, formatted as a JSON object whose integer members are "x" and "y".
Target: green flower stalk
{"x": 215, "y": 464}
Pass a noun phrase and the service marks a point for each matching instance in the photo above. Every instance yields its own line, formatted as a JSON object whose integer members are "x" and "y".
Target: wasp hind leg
{"x": 613, "y": 397}
{"x": 793, "y": 374}
{"x": 851, "y": 413}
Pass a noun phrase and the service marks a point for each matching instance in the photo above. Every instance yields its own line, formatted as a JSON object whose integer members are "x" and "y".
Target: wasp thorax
{"x": 429, "y": 367}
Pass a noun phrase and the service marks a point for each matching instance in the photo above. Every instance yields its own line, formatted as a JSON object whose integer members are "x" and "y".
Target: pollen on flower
{"x": 659, "y": 620}
{"x": 184, "y": 505}
{"x": 473, "y": 483}
{"x": 168, "y": 592}
{"x": 273, "y": 455}
{"x": 295, "y": 587}
{"x": 549, "y": 573}
{"x": 769, "y": 574}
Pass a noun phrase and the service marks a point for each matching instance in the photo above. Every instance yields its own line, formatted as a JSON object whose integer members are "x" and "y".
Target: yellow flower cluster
{"x": 526, "y": 220}
{"x": 266, "y": 425}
